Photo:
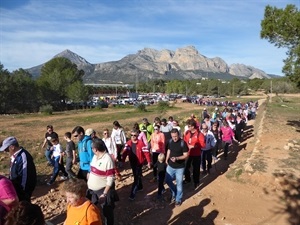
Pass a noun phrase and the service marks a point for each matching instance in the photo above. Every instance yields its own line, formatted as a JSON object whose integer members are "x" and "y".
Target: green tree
{"x": 6, "y": 89}
{"x": 77, "y": 92}
{"x": 281, "y": 27}
{"x": 25, "y": 94}
{"x": 56, "y": 77}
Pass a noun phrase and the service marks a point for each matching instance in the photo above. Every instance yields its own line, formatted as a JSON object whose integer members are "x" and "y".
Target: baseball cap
{"x": 8, "y": 142}
{"x": 89, "y": 131}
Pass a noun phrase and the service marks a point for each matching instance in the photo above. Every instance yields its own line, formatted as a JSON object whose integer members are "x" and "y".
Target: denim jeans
{"x": 58, "y": 167}
{"x": 48, "y": 154}
{"x": 176, "y": 174}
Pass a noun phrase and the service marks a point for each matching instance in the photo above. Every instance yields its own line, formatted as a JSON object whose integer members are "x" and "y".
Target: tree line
{"x": 60, "y": 85}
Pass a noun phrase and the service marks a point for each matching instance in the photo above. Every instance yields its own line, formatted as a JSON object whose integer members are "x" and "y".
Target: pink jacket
{"x": 227, "y": 134}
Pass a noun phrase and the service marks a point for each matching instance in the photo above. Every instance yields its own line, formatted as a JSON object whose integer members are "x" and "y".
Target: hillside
{"x": 184, "y": 63}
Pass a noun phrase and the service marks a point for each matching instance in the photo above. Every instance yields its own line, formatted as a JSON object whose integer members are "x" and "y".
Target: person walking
{"x": 49, "y": 149}
{"x": 227, "y": 135}
{"x": 101, "y": 180}
{"x": 85, "y": 152}
{"x": 239, "y": 128}
{"x": 166, "y": 128}
{"x": 58, "y": 162}
{"x": 25, "y": 213}
{"x": 148, "y": 129}
{"x": 8, "y": 197}
{"x": 22, "y": 168}
{"x": 118, "y": 135}
{"x": 157, "y": 147}
{"x": 217, "y": 134}
{"x": 70, "y": 155}
{"x": 137, "y": 152}
{"x": 161, "y": 171}
{"x": 177, "y": 153}
{"x": 80, "y": 210}
{"x": 206, "y": 151}
{"x": 112, "y": 151}
{"x": 142, "y": 135}
{"x": 195, "y": 142}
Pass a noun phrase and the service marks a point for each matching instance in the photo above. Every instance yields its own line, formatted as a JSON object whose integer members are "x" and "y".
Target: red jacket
{"x": 197, "y": 140}
{"x": 139, "y": 156}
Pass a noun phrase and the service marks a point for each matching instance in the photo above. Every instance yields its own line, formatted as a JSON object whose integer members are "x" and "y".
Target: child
{"x": 58, "y": 161}
{"x": 80, "y": 210}
{"x": 161, "y": 170}
{"x": 71, "y": 155}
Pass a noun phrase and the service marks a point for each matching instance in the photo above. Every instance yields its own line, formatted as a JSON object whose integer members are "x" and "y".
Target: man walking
{"x": 177, "y": 153}
{"x": 85, "y": 152}
{"x": 195, "y": 141}
{"x": 49, "y": 149}
{"x": 22, "y": 169}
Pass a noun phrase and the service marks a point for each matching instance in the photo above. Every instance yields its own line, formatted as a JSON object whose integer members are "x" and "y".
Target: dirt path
{"x": 253, "y": 187}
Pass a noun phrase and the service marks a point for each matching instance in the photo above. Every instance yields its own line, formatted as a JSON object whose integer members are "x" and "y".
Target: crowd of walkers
{"x": 173, "y": 153}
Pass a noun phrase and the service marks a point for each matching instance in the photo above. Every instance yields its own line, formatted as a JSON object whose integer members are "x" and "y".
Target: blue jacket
{"x": 85, "y": 153}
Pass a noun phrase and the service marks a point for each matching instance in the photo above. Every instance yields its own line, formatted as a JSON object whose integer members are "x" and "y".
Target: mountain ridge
{"x": 148, "y": 63}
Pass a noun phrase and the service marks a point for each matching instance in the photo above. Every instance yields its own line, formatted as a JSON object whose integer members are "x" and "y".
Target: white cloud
{"x": 102, "y": 31}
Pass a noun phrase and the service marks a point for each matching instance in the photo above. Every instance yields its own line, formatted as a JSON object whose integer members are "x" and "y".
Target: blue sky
{"x": 33, "y": 31}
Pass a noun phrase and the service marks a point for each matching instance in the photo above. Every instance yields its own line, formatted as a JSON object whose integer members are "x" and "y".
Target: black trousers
{"x": 137, "y": 179}
{"x": 206, "y": 156}
{"x": 154, "y": 161}
{"x": 195, "y": 162}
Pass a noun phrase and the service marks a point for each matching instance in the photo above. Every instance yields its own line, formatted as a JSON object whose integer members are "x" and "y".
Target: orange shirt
{"x": 86, "y": 214}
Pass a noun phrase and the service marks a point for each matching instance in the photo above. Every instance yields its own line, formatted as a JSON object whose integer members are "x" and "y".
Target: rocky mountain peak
{"x": 73, "y": 57}
{"x": 148, "y": 63}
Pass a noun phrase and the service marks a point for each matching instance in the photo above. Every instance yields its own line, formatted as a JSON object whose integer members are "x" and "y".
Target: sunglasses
{"x": 133, "y": 135}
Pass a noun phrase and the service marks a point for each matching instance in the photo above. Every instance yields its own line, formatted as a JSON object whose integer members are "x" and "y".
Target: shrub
{"x": 46, "y": 109}
{"x": 163, "y": 106}
{"x": 141, "y": 107}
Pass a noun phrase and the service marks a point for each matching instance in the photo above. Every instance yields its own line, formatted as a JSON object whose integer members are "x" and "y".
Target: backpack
{"x": 181, "y": 142}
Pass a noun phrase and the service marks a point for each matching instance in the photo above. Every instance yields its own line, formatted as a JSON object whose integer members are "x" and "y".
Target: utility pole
{"x": 136, "y": 82}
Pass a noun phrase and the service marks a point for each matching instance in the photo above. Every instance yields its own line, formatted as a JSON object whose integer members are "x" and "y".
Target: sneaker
{"x": 153, "y": 180}
{"x": 63, "y": 178}
{"x": 215, "y": 158}
{"x": 186, "y": 181}
{"x": 140, "y": 189}
{"x": 131, "y": 197}
{"x": 177, "y": 204}
{"x": 172, "y": 200}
